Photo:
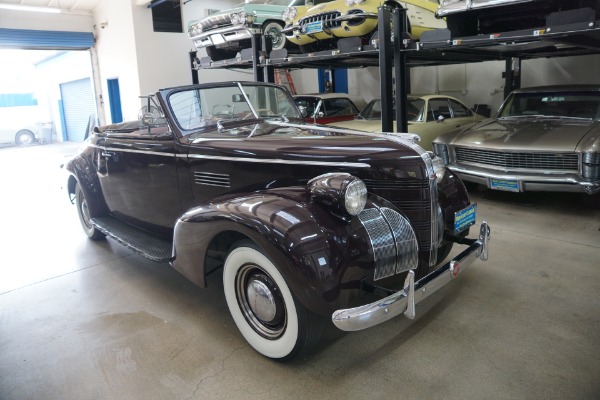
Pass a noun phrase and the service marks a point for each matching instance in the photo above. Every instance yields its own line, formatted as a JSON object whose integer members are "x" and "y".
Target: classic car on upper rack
{"x": 473, "y": 17}
{"x": 303, "y": 222}
{"x": 543, "y": 139}
{"x": 319, "y": 27}
{"x": 428, "y": 116}
{"x": 224, "y": 33}
{"x": 325, "y": 108}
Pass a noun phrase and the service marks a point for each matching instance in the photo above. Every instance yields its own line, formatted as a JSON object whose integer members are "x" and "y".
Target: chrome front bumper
{"x": 405, "y": 300}
{"x": 222, "y": 36}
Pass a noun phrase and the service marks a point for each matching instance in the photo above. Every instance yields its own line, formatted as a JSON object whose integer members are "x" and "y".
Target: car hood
{"x": 304, "y": 143}
{"x": 553, "y": 134}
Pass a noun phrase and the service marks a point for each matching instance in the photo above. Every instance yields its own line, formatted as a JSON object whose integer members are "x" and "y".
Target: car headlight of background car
{"x": 591, "y": 165}
{"x": 441, "y": 150}
{"x": 349, "y": 3}
{"x": 340, "y": 191}
{"x": 289, "y": 13}
{"x": 240, "y": 18}
{"x": 195, "y": 30}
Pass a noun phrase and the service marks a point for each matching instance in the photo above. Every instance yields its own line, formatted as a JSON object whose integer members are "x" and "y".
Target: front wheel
{"x": 273, "y": 30}
{"x": 85, "y": 216}
{"x": 264, "y": 309}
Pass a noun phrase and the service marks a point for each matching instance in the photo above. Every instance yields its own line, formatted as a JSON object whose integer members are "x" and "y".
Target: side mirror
{"x": 440, "y": 118}
{"x": 320, "y": 114}
{"x": 303, "y": 111}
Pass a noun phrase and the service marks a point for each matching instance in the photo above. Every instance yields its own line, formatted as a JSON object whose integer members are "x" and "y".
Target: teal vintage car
{"x": 226, "y": 32}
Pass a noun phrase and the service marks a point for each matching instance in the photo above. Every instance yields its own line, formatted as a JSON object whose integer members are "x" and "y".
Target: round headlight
{"x": 349, "y": 2}
{"x": 290, "y": 13}
{"x": 339, "y": 191}
{"x": 235, "y": 19}
{"x": 355, "y": 197}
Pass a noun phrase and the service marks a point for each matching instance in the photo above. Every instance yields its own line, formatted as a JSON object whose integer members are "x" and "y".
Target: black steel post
{"x": 195, "y": 79}
{"x": 512, "y": 75}
{"x": 385, "y": 69}
{"x": 269, "y": 71}
{"x": 259, "y": 73}
{"x": 400, "y": 68}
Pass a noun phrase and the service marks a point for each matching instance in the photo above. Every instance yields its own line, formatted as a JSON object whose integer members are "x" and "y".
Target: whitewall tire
{"x": 264, "y": 309}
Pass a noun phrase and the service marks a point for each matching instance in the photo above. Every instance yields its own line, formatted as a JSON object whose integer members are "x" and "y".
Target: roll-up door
{"x": 78, "y": 107}
{"x": 55, "y": 40}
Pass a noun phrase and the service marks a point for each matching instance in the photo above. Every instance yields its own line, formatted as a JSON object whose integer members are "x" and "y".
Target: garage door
{"x": 78, "y": 108}
{"x": 55, "y": 40}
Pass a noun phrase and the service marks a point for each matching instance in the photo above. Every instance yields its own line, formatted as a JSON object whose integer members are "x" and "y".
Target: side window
{"x": 438, "y": 108}
{"x": 459, "y": 109}
{"x": 334, "y": 107}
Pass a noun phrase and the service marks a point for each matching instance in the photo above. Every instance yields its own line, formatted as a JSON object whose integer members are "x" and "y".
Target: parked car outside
{"x": 319, "y": 27}
{"x": 25, "y": 133}
{"x": 428, "y": 116}
{"x": 544, "y": 139}
{"x": 325, "y": 108}
{"x": 468, "y": 18}
{"x": 226, "y": 32}
{"x": 304, "y": 223}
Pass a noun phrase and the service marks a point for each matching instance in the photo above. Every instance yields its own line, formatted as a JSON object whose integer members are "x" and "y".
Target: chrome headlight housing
{"x": 195, "y": 30}
{"x": 289, "y": 13}
{"x": 340, "y": 191}
{"x": 441, "y": 150}
{"x": 439, "y": 167}
{"x": 238, "y": 18}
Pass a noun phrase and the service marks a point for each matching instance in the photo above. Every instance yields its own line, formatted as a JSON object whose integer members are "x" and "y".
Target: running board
{"x": 143, "y": 243}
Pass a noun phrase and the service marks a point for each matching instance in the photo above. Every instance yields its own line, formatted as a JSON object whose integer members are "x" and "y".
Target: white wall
{"x": 82, "y": 22}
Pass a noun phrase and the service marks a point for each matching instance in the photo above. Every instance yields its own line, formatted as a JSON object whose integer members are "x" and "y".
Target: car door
{"x": 139, "y": 177}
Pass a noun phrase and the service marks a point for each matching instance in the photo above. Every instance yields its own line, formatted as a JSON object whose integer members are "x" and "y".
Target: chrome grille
{"x": 214, "y": 22}
{"x": 508, "y": 160}
{"x": 393, "y": 241}
{"x": 412, "y": 197}
{"x": 329, "y": 20}
{"x": 210, "y": 179}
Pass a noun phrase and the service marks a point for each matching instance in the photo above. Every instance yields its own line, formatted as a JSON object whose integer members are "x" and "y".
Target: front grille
{"x": 393, "y": 241}
{"x": 413, "y": 198}
{"x": 329, "y": 20}
{"x": 512, "y": 161}
{"x": 215, "y": 22}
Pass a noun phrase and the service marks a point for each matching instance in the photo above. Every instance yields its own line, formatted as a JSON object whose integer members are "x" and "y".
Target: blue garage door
{"x": 54, "y": 40}
{"x": 78, "y": 107}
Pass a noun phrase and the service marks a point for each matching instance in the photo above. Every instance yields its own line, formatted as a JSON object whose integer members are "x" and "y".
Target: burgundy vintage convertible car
{"x": 305, "y": 222}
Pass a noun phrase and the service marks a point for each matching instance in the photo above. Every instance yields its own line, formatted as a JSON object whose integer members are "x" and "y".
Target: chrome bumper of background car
{"x": 531, "y": 182}
{"x": 405, "y": 300}
{"x": 294, "y": 30}
{"x": 217, "y": 37}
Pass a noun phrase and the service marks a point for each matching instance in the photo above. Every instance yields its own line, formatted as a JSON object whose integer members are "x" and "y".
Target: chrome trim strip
{"x": 277, "y": 161}
{"x": 405, "y": 300}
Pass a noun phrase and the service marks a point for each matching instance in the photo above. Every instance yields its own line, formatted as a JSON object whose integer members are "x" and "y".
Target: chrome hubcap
{"x": 260, "y": 301}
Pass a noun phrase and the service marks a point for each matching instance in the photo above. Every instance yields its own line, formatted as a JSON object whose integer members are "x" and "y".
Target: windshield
{"x": 288, "y": 3}
{"x": 575, "y": 104}
{"x": 415, "y": 109}
{"x": 204, "y": 108}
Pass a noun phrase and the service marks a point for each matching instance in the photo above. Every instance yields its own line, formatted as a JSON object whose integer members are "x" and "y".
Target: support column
{"x": 385, "y": 68}
{"x": 400, "y": 68}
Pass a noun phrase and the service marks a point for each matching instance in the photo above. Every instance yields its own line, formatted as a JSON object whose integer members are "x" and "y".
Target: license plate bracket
{"x": 465, "y": 218}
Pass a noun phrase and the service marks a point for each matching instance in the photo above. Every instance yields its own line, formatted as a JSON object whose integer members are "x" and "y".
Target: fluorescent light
{"x": 20, "y": 7}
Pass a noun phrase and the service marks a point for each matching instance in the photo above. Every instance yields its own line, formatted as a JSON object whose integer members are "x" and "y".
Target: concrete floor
{"x": 91, "y": 320}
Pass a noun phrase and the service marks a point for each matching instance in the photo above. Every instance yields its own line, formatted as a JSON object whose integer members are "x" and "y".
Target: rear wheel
{"x": 85, "y": 215}
{"x": 24, "y": 137}
{"x": 216, "y": 54}
{"x": 264, "y": 309}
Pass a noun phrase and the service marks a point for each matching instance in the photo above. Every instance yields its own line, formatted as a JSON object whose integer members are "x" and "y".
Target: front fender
{"x": 310, "y": 246}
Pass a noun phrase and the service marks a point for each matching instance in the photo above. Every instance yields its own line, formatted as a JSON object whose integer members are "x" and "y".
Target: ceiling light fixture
{"x": 20, "y": 7}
